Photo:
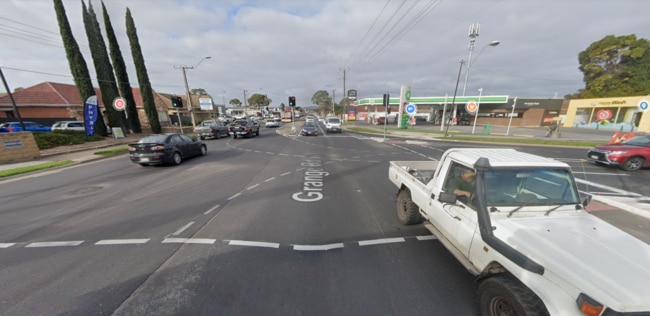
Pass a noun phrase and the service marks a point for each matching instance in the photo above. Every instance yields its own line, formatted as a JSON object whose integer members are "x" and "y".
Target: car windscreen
{"x": 530, "y": 186}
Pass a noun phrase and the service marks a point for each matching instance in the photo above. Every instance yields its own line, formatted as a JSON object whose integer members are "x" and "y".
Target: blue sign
{"x": 643, "y": 105}
{"x": 90, "y": 115}
{"x": 410, "y": 108}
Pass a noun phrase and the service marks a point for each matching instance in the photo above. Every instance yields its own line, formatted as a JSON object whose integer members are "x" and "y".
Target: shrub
{"x": 63, "y": 138}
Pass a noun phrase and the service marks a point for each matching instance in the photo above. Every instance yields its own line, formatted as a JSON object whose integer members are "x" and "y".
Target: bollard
{"x": 487, "y": 128}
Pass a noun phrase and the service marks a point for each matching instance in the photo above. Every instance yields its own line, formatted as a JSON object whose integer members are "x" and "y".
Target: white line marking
{"x": 212, "y": 209}
{"x": 269, "y": 179}
{"x": 122, "y": 241}
{"x": 234, "y": 196}
{"x": 55, "y": 244}
{"x": 598, "y": 185}
{"x": 601, "y": 173}
{"x": 284, "y": 174}
{"x": 252, "y": 186}
{"x": 430, "y": 237}
{"x": 270, "y": 153}
{"x": 6, "y": 245}
{"x": 381, "y": 241}
{"x": 317, "y": 247}
{"x": 253, "y": 244}
{"x": 205, "y": 241}
{"x": 180, "y": 230}
{"x": 281, "y": 154}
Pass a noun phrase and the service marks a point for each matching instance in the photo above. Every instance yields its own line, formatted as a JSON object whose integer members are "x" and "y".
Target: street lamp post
{"x": 478, "y": 106}
{"x": 187, "y": 89}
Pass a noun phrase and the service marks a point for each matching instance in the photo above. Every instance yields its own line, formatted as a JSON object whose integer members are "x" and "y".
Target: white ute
{"x": 526, "y": 236}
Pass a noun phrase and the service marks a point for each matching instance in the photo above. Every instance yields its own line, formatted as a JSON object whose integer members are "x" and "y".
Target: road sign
{"x": 410, "y": 108}
{"x": 643, "y": 105}
{"x": 471, "y": 107}
{"x": 119, "y": 104}
{"x": 603, "y": 115}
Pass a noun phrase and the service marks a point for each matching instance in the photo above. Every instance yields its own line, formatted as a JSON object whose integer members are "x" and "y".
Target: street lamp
{"x": 187, "y": 89}
{"x": 470, "y": 62}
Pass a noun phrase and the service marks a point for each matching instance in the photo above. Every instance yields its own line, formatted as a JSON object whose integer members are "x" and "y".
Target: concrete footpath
{"x": 83, "y": 153}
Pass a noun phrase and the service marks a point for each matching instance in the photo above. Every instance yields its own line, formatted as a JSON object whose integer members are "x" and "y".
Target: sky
{"x": 283, "y": 48}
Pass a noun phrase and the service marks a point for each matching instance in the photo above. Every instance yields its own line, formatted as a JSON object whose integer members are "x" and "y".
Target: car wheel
{"x": 257, "y": 133}
{"x": 500, "y": 295}
{"x": 407, "y": 211}
{"x": 204, "y": 150}
{"x": 633, "y": 164}
{"x": 234, "y": 135}
{"x": 218, "y": 135}
{"x": 176, "y": 158}
{"x": 201, "y": 137}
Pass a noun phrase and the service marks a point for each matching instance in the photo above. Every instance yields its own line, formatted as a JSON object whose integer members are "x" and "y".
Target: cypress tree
{"x": 121, "y": 74}
{"x": 103, "y": 68}
{"x": 143, "y": 77}
{"x": 77, "y": 63}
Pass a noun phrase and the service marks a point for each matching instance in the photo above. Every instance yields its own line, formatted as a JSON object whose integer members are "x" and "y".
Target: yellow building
{"x": 619, "y": 114}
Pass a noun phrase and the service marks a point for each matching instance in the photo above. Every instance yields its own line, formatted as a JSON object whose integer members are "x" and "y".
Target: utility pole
{"x": 187, "y": 90}
{"x": 345, "y": 97}
{"x": 245, "y": 105}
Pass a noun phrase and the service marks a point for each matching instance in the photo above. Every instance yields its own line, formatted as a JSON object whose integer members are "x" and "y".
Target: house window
{"x": 10, "y": 114}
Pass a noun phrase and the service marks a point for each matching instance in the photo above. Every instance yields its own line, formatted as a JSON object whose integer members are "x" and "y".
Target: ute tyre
{"x": 201, "y": 137}
{"x": 177, "y": 159}
{"x": 234, "y": 135}
{"x": 633, "y": 164}
{"x": 218, "y": 135}
{"x": 501, "y": 295}
{"x": 257, "y": 133}
{"x": 407, "y": 211}
{"x": 204, "y": 150}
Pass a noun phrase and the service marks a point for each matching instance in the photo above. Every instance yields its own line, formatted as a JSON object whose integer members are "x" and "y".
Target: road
{"x": 269, "y": 225}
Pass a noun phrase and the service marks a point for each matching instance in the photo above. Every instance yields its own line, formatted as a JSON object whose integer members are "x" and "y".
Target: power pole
{"x": 245, "y": 105}
{"x": 473, "y": 34}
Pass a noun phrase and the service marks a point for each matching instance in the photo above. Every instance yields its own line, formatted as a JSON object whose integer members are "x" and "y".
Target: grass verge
{"x": 112, "y": 151}
{"x": 21, "y": 170}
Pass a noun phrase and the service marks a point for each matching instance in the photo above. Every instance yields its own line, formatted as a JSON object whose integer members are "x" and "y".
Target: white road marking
{"x": 423, "y": 238}
{"x": 6, "y": 245}
{"x": 253, "y": 244}
{"x": 269, "y": 179}
{"x": 122, "y": 241}
{"x": 284, "y": 174}
{"x": 211, "y": 210}
{"x": 205, "y": 241}
{"x": 234, "y": 196}
{"x": 317, "y": 247}
{"x": 381, "y": 241}
{"x": 180, "y": 230}
{"x": 252, "y": 186}
{"x": 55, "y": 244}
{"x": 598, "y": 185}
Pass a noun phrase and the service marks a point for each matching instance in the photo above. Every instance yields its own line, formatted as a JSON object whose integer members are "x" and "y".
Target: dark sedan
{"x": 309, "y": 128}
{"x": 630, "y": 155}
{"x": 165, "y": 148}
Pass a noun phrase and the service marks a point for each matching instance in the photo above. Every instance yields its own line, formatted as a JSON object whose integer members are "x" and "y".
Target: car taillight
{"x": 229, "y": 128}
{"x": 132, "y": 149}
{"x": 154, "y": 148}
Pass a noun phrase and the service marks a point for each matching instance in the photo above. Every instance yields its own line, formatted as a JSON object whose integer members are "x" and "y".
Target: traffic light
{"x": 292, "y": 101}
{"x": 177, "y": 101}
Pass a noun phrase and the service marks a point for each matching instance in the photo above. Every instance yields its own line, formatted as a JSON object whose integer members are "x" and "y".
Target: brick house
{"x": 48, "y": 102}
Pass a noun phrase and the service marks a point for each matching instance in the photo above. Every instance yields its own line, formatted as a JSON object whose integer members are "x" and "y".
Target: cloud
{"x": 292, "y": 47}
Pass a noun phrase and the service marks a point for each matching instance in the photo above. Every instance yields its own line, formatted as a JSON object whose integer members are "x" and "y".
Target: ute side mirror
{"x": 586, "y": 200}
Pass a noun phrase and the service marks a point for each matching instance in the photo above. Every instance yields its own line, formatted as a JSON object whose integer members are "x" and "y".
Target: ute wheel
{"x": 407, "y": 212}
{"x": 204, "y": 150}
{"x": 501, "y": 295}
{"x": 633, "y": 164}
{"x": 144, "y": 164}
{"x": 201, "y": 137}
{"x": 218, "y": 135}
{"x": 257, "y": 133}
{"x": 176, "y": 158}
{"x": 234, "y": 135}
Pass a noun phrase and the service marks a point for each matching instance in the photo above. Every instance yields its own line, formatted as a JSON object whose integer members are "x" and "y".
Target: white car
{"x": 272, "y": 123}
{"x": 309, "y": 118}
{"x": 68, "y": 126}
{"x": 332, "y": 124}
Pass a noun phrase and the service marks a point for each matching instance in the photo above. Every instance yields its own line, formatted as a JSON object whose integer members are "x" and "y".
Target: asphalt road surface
{"x": 272, "y": 225}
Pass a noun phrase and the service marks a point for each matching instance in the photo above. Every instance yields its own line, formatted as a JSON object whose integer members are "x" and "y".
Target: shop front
{"x": 619, "y": 114}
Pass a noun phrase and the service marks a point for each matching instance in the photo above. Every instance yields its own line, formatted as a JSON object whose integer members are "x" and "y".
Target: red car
{"x": 630, "y": 155}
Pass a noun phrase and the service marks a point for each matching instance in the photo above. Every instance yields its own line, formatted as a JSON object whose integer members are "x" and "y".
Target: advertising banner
{"x": 90, "y": 115}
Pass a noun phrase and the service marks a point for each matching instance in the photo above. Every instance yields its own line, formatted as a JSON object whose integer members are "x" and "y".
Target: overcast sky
{"x": 296, "y": 47}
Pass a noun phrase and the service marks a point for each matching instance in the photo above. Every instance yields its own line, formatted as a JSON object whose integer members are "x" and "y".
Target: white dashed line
{"x": 234, "y": 196}
{"x": 381, "y": 241}
{"x": 122, "y": 241}
{"x": 6, "y": 245}
{"x": 211, "y": 210}
{"x": 317, "y": 247}
{"x": 180, "y": 230}
{"x": 269, "y": 179}
{"x": 253, "y": 244}
{"x": 284, "y": 174}
{"x": 429, "y": 237}
{"x": 252, "y": 186}
{"x": 204, "y": 241}
{"x": 55, "y": 244}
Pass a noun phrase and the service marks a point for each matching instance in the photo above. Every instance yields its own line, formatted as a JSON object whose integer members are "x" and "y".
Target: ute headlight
{"x": 588, "y": 306}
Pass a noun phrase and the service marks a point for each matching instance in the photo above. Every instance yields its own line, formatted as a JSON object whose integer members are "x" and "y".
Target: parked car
{"x": 630, "y": 155}
{"x": 308, "y": 129}
{"x": 463, "y": 120}
{"x": 68, "y": 126}
{"x": 165, "y": 148}
{"x": 272, "y": 123}
{"x": 211, "y": 129}
{"x": 29, "y": 126}
{"x": 244, "y": 128}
